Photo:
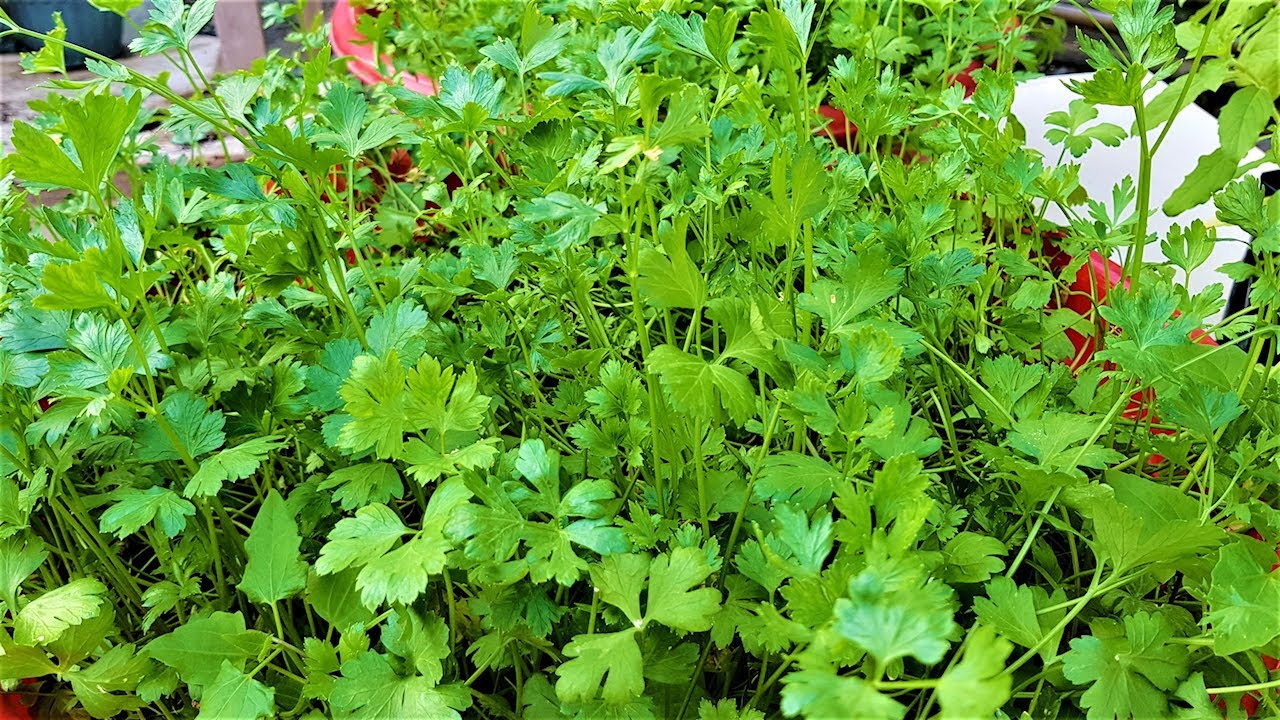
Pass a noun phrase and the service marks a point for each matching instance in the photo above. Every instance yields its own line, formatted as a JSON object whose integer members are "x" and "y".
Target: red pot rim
{"x": 11, "y": 707}
{"x": 349, "y": 43}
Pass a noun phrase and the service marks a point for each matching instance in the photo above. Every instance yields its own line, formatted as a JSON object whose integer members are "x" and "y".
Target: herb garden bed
{"x": 618, "y": 363}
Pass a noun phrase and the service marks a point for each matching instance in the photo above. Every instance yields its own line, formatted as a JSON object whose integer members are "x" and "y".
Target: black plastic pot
{"x": 87, "y": 26}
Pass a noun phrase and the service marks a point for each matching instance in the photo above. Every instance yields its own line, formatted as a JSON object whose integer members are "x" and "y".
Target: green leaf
{"x": 898, "y": 491}
{"x": 119, "y": 7}
{"x": 802, "y": 480}
{"x": 687, "y": 32}
{"x": 700, "y": 388}
{"x": 571, "y": 216}
{"x": 445, "y": 402}
{"x": 1241, "y": 121}
{"x": 1146, "y": 523}
{"x": 1059, "y": 442}
{"x": 18, "y": 662}
{"x": 336, "y": 599}
{"x": 1015, "y": 387}
{"x": 398, "y": 327}
{"x": 325, "y": 380}
{"x": 1031, "y": 294}
{"x": 173, "y": 25}
{"x": 383, "y": 412}
{"x": 1109, "y": 86}
{"x": 972, "y": 558}
{"x": 894, "y": 612}
{"x": 610, "y": 658}
{"x": 797, "y": 194}
{"x": 360, "y": 485}
{"x": 684, "y": 124}
{"x": 1213, "y": 72}
{"x": 1195, "y": 693}
{"x": 1212, "y": 172}
{"x": 232, "y": 464}
{"x": 84, "y": 639}
{"x": 134, "y": 508}
{"x": 199, "y": 647}
{"x": 345, "y": 110}
{"x": 799, "y": 14}
{"x": 1073, "y": 134}
{"x": 360, "y": 539}
{"x": 275, "y": 569}
{"x": 865, "y": 281}
{"x": 76, "y": 285}
{"x": 320, "y": 662}
{"x": 19, "y": 557}
{"x": 619, "y": 580}
{"x": 106, "y": 348}
{"x": 50, "y": 58}
{"x": 45, "y": 619}
{"x": 370, "y": 689}
{"x": 803, "y": 544}
{"x": 671, "y": 280}
{"x": 1243, "y": 597}
{"x": 473, "y": 95}
{"x": 198, "y": 430}
{"x": 1020, "y": 613}
{"x": 726, "y": 710}
{"x": 401, "y": 575}
{"x": 1259, "y": 59}
{"x": 672, "y": 600}
{"x": 1242, "y": 203}
{"x": 423, "y": 641}
{"x": 235, "y": 696}
{"x": 819, "y": 694}
{"x": 38, "y": 158}
{"x": 23, "y": 371}
{"x": 1130, "y": 668}
{"x": 378, "y": 404}
{"x": 427, "y": 464}
{"x": 106, "y": 688}
{"x": 504, "y": 54}
{"x": 720, "y": 32}
{"x": 1201, "y": 409}
{"x": 25, "y": 330}
{"x": 977, "y": 687}
{"x": 871, "y": 355}
{"x": 17, "y": 504}
{"x": 96, "y": 127}
{"x": 1189, "y": 248}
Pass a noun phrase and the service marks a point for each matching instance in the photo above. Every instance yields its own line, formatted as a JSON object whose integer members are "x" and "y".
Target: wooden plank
{"x": 239, "y": 25}
{"x": 314, "y": 9}
{"x": 16, "y": 89}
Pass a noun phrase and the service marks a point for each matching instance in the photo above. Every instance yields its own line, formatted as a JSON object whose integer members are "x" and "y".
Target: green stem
{"x": 1081, "y": 603}
{"x": 970, "y": 381}
{"x": 349, "y": 225}
{"x": 1244, "y": 688}
{"x": 1133, "y": 263}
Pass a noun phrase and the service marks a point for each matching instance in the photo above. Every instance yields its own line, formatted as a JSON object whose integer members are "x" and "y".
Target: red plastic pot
{"x": 1089, "y": 289}
{"x": 839, "y": 130}
{"x": 348, "y": 42}
{"x": 11, "y": 707}
{"x": 1093, "y": 281}
{"x": 965, "y": 77}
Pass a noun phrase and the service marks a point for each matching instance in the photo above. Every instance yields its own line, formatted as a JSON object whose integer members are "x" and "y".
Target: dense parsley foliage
{"x": 602, "y": 385}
